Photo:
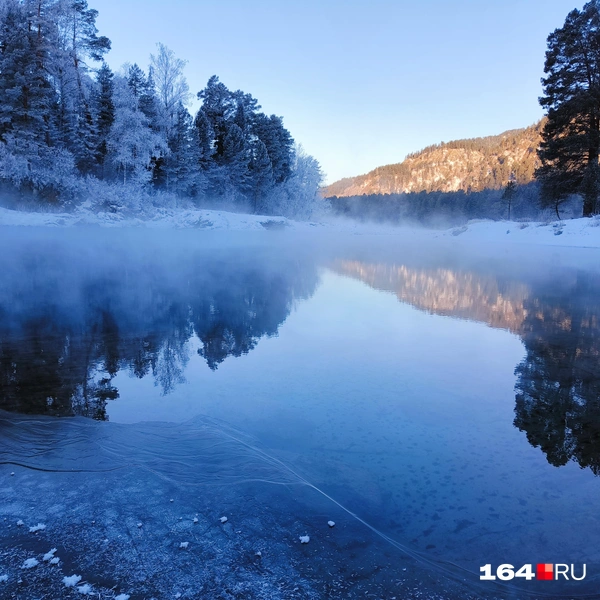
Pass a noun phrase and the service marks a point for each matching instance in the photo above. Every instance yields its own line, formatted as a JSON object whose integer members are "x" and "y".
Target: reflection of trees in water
{"x": 60, "y": 358}
{"x": 558, "y": 385}
{"x": 229, "y": 322}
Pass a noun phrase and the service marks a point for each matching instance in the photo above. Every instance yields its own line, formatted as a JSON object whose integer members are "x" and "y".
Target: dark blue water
{"x": 442, "y": 403}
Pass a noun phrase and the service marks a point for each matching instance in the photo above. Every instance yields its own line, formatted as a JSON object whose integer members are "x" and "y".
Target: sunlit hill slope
{"x": 468, "y": 165}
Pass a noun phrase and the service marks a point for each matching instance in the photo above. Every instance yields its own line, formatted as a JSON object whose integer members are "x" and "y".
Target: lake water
{"x": 441, "y": 404}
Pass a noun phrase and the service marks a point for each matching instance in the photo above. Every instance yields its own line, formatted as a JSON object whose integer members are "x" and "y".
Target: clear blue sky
{"x": 359, "y": 83}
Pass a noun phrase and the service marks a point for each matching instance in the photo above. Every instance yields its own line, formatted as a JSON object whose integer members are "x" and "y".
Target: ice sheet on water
{"x": 92, "y": 483}
{"x": 197, "y": 453}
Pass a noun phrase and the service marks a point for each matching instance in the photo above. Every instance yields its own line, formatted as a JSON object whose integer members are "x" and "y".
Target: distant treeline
{"x": 441, "y": 208}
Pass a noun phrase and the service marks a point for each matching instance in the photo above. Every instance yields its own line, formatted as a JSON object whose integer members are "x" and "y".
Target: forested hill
{"x": 468, "y": 165}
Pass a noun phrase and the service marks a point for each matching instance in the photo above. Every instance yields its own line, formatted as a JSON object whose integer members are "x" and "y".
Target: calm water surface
{"x": 447, "y": 397}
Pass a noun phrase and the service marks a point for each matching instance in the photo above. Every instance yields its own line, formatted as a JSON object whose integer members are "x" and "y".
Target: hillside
{"x": 468, "y": 165}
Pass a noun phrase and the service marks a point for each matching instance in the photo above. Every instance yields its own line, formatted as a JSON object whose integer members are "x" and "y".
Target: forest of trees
{"x": 443, "y": 209}
{"x": 70, "y": 128}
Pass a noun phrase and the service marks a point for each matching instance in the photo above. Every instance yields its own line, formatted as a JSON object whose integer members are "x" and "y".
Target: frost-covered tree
{"x": 203, "y": 135}
{"x": 30, "y": 158}
{"x": 104, "y": 109}
{"x": 300, "y": 197}
{"x": 261, "y": 179}
{"x": 279, "y": 144}
{"x": 170, "y": 83}
{"x": 180, "y": 170}
{"x": 75, "y": 44}
{"x": 235, "y": 162}
{"x": 218, "y": 106}
{"x": 131, "y": 142}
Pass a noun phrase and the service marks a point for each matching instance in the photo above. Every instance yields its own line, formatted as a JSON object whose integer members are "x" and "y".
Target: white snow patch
{"x": 584, "y": 232}
{"x": 71, "y": 581}
{"x": 36, "y": 528}
{"x": 55, "y": 560}
{"x": 304, "y": 539}
{"x": 20, "y": 523}
{"x": 223, "y": 519}
{"x": 3, "y": 578}
{"x": 122, "y": 597}
{"x": 30, "y": 563}
{"x": 49, "y": 555}
{"x": 184, "y": 544}
{"x": 195, "y": 519}
{"x": 331, "y": 523}
{"x": 85, "y": 589}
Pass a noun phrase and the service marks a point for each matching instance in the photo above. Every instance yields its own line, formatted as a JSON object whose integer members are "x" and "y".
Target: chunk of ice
{"x": 85, "y": 589}
{"x": 71, "y": 581}
{"x": 49, "y": 555}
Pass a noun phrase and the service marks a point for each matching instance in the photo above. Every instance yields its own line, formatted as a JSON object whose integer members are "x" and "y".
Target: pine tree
{"x": 235, "y": 161}
{"x": 204, "y": 140}
{"x": 218, "y": 106}
{"x": 509, "y": 192}
{"x": 28, "y": 103}
{"x": 182, "y": 174}
{"x": 261, "y": 176}
{"x": 279, "y": 144}
{"x": 105, "y": 115}
{"x": 570, "y": 149}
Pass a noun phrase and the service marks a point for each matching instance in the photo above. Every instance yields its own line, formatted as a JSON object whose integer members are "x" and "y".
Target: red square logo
{"x": 545, "y": 572}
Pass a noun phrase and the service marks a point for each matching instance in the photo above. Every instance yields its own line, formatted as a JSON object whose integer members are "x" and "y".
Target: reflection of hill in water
{"x": 558, "y": 381}
{"x": 447, "y": 292}
{"x": 66, "y": 332}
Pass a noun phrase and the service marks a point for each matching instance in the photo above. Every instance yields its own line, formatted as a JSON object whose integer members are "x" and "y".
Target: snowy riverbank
{"x": 584, "y": 232}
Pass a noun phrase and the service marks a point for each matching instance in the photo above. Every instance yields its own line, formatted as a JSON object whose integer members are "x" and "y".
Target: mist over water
{"x": 447, "y": 398}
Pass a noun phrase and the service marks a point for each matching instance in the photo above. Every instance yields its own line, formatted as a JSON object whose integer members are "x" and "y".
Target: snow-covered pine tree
{"x": 218, "y": 105}
{"x": 181, "y": 170}
{"x": 104, "y": 110}
{"x": 279, "y": 144}
{"x": 30, "y": 158}
{"x": 236, "y": 161}
{"x": 261, "y": 176}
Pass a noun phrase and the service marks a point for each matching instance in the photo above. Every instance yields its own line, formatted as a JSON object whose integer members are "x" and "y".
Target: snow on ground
{"x": 163, "y": 219}
{"x": 584, "y": 232}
